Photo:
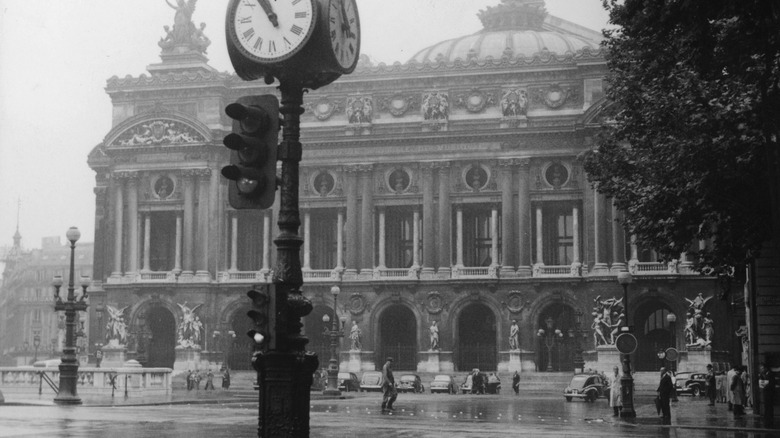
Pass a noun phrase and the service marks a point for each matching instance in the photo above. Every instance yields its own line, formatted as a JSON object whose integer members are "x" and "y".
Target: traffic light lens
{"x": 247, "y": 186}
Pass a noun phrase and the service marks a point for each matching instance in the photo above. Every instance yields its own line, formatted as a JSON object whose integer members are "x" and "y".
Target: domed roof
{"x": 515, "y": 28}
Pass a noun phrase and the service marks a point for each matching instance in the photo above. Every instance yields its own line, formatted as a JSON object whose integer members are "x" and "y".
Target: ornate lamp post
{"x": 36, "y": 344}
{"x": 549, "y": 340}
{"x": 69, "y": 366}
{"x": 577, "y": 334}
{"x": 626, "y": 381}
{"x": 672, "y": 318}
{"x": 335, "y": 333}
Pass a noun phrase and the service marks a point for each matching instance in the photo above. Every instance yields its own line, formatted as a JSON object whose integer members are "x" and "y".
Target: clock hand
{"x": 266, "y": 5}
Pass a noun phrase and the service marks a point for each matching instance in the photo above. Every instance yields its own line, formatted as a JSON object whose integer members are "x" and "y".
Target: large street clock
{"x": 311, "y": 42}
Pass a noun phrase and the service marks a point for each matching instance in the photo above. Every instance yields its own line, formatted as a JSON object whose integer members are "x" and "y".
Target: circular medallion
{"x": 323, "y": 109}
{"x": 672, "y": 354}
{"x": 515, "y": 302}
{"x": 475, "y": 102}
{"x": 398, "y": 106}
{"x": 357, "y": 304}
{"x": 434, "y": 304}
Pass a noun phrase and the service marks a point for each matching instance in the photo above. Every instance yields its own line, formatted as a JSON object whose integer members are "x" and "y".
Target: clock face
{"x": 271, "y": 30}
{"x": 344, "y": 32}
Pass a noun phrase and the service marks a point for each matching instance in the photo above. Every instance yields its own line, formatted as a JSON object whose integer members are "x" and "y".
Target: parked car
{"x": 48, "y": 363}
{"x": 349, "y": 382}
{"x": 589, "y": 387}
{"x": 465, "y": 387}
{"x": 444, "y": 383}
{"x": 691, "y": 383}
{"x": 410, "y": 383}
{"x": 371, "y": 381}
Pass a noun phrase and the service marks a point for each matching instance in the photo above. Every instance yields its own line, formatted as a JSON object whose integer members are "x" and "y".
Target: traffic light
{"x": 253, "y": 144}
{"x": 264, "y": 317}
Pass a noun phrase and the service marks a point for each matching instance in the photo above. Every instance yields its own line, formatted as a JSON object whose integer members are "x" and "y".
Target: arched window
{"x": 657, "y": 320}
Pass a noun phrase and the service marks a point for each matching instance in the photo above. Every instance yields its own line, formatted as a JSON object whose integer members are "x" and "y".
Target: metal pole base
{"x": 67, "y": 400}
{"x": 285, "y": 384}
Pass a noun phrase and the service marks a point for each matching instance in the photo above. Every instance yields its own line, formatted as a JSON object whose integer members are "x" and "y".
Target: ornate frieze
{"x": 514, "y": 102}
{"x": 158, "y": 132}
{"x": 556, "y": 96}
{"x": 360, "y": 109}
{"x": 323, "y": 108}
{"x": 435, "y": 106}
{"x": 475, "y": 101}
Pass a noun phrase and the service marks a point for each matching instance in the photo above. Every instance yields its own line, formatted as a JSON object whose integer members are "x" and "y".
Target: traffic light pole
{"x": 285, "y": 372}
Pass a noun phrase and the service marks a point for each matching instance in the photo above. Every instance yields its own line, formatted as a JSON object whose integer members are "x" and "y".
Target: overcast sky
{"x": 55, "y": 58}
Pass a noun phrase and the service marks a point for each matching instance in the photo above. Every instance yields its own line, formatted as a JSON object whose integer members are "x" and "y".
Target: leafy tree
{"x": 691, "y": 152}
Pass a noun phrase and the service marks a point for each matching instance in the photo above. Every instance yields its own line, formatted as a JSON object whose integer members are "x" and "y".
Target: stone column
{"x": 523, "y": 218}
{"x": 575, "y": 223}
{"x": 508, "y": 259}
{"x": 233, "y": 242}
{"x": 600, "y": 234}
{"x": 118, "y": 226}
{"x": 340, "y": 240}
{"x": 618, "y": 242}
{"x": 416, "y": 239}
{"x": 352, "y": 225}
{"x": 494, "y": 236}
{"x": 147, "y": 241}
{"x": 307, "y": 239}
{"x": 539, "y": 237}
{"x": 429, "y": 242}
{"x": 177, "y": 262}
{"x": 367, "y": 220}
{"x": 132, "y": 224}
{"x": 382, "y": 237}
{"x": 445, "y": 215}
{"x": 188, "y": 181}
{"x": 202, "y": 239}
{"x": 459, "y": 235}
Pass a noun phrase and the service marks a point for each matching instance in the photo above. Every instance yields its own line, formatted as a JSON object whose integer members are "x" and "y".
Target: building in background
{"x": 29, "y": 326}
{"x": 448, "y": 189}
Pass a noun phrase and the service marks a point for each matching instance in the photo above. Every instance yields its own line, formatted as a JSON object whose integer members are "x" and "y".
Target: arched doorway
{"x": 555, "y": 346}
{"x": 654, "y": 334}
{"x": 398, "y": 337}
{"x": 477, "y": 338}
{"x": 242, "y": 346}
{"x": 313, "y": 329}
{"x": 159, "y": 348}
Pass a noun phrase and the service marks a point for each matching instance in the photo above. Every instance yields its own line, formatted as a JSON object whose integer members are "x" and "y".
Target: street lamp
{"x": 226, "y": 339}
{"x": 579, "y": 362}
{"x": 69, "y": 366}
{"x": 549, "y": 340}
{"x": 36, "y": 344}
{"x": 672, "y": 318}
{"x": 335, "y": 333}
{"x": 626, "y": 381}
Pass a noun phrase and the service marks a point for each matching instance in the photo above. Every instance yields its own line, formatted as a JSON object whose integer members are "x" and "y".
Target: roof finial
{"x": 515, "y": 15}
{"x": 17, "y": 236}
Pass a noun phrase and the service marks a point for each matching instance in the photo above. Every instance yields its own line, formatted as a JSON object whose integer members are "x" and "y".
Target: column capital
{"x": 443, "y": 166}
{"x": 522, "y": 163}
{"x": 350, "y": 168}
{"x": 365, "y": 168}
{"x": 125, "y": 175}
{"x": 428, "y": 166}
{"x": 202, "y": 172}
{"x": 507, "y": 164}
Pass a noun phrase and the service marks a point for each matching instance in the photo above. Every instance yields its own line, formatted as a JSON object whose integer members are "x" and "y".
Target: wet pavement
{"x": 234, "y": 415}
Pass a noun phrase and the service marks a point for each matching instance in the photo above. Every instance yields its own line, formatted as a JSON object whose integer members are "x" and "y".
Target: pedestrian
{"x": 493, "y": 384}
{"x": 196, "y": 380}
{"x": 388, "y": 386}
{"x": 516, "y": 383}
{"x": 711, "y": 385}
{"x": 767, "y": 384}
{"x": 665, "y": 389}
{"x": 739, "y": 396}
{"x": 730, "y": 392}
{"x": 615, "y": 395}
{"x": 209, "y": 381}
{"x": 189, "y": 380}
{"x": 226, "y": 379}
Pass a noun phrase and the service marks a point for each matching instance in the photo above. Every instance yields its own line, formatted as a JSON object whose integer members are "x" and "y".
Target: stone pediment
{"x": 157, "y": 129}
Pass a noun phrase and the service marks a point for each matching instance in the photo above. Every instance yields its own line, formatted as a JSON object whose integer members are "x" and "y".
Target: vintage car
{"x": 371, "y": 381}
{"x": 349, "y": 382}
{"x": 466, "y": 386}
{"x": 444, "y": 383}
{"x": 588, "y": 387}
{"x": 694, "y": 384}
{"x": 409, "y": 383}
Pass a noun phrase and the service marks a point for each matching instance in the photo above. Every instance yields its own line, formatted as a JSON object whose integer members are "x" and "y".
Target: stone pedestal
{"x": 187, "y": 358}
{"x": 114, "y": 356}
{"x": 356, "y": 361}
{"x": 511, "y": 361}
{"x": 435, "y": 361}
{"x": 606, "y": 358}
{"x": 696, "y": 359}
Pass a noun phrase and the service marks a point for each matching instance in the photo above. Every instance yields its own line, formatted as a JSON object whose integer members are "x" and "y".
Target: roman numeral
{"x": 296, "y": 29}
{"x": 351, "y": 49}
{"x": 303, "y": 14}
{"x": 295, "y": 2}
{"x": 286, "y": 42}
{"x": 250, "y": 4}
{"x": 259, "y": 43}
{"x": 249, "y": 33}
{"x": 272, "y": 46}
{"x": 245, "y": 20}
{"x": 333, "y": 20}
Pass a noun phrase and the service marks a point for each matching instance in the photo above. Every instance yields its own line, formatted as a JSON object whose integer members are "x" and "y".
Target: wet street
{"x": 358, "y": 415}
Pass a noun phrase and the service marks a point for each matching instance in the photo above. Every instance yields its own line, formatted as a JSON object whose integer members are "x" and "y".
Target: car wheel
{"x": 568, "y": 399}
{"x": 696, "y": 391}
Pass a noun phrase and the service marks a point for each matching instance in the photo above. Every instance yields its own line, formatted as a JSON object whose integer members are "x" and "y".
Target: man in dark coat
{"x": 388, "y": 386}
{"x": 767, "y": 384}
{"x": 711, "y": 385}
{"x": 665, "y": 389}
{"x": 516, "y": 383}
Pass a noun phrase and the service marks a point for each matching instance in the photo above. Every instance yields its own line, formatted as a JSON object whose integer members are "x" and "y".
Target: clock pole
{"x": 285, "y": 373}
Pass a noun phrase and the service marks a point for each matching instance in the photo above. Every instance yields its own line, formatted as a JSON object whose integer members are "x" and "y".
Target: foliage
{"x": 691, "y": 154}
